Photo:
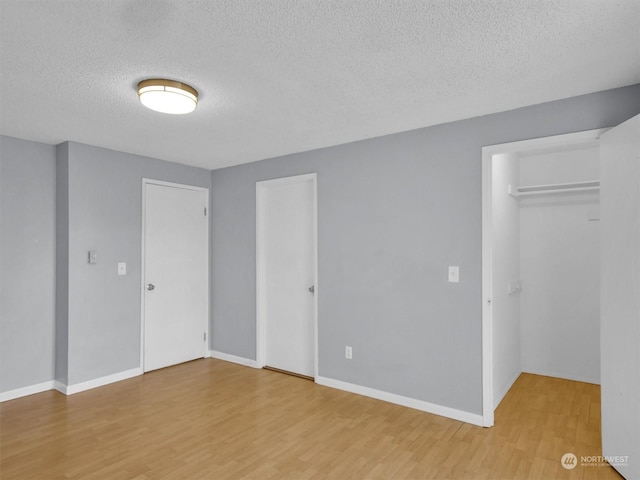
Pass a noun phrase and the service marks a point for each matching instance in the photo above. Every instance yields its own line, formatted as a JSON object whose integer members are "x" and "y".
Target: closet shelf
{"x": 590, "y": 186}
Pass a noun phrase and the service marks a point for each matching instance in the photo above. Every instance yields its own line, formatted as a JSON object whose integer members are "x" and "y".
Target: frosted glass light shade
{"x": 167, "y": 96}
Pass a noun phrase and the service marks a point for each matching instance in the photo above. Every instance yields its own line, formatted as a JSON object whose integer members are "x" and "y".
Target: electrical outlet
{"x": 348, "y": 352}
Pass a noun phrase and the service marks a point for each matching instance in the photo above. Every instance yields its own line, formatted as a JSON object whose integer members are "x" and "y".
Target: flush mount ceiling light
{"x": 167, "y": 96}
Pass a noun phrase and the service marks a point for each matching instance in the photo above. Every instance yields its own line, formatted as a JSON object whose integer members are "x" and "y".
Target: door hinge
{"x": 205, "y": 211}
{"x": 205, "y": 336}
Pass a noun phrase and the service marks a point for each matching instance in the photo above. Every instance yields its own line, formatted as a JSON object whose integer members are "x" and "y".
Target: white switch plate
{"x": 454, "y": 274}
{"x": 122, "y": 268}
{"x": 92, "y": 257}
{"x": 348, "y": 352}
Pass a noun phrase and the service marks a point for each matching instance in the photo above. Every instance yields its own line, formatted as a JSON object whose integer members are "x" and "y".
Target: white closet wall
{"x": 506, "y": 269}
{"x": 559, "y": 266}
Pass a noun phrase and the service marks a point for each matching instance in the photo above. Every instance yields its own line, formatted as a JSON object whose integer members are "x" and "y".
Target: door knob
{"x": 150, "y": 286}
{"x": 312, "y": 289}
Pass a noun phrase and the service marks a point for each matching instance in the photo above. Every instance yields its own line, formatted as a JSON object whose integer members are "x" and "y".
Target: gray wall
{"x": 393, "y": 213}
{"x": 27, "y": 263}
{"x": 105, "y": 215}
{"x": 76, "y": 322}
{"x": 62, "y": 264}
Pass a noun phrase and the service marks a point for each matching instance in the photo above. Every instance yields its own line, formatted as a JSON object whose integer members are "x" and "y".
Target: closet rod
{"x": 593, "y": 185}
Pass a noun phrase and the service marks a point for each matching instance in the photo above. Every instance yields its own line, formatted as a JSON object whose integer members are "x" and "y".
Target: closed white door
{"x": 175, "y": 274}
{"x": 287, "y": 273}
{"x": 620, "y": 296}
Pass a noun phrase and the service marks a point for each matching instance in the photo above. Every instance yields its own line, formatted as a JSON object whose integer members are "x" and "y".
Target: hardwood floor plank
{"x": 211, "y": 419}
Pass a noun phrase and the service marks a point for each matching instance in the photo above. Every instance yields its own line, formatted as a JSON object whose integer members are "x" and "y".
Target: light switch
{"x": 454, "y": 274}
{"x": 122, "y": 268}
{"x": 92, "y": 257}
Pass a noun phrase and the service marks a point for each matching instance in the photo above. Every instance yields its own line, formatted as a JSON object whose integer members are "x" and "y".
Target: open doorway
{"x": 540, "y": 262}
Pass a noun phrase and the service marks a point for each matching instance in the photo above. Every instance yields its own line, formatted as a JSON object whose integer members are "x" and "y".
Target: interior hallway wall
{"x": 27, "y": 263}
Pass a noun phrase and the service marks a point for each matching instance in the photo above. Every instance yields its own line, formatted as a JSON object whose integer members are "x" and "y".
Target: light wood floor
{"x": 210, "y": 419}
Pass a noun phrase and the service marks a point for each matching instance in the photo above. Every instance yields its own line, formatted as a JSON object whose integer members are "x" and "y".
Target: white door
{"x": 175, "y": 274}
{"x": 620, "y": 296}
{"x": 287, "y": 273}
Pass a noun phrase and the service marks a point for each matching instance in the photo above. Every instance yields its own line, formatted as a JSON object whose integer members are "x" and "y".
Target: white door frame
{"x": 261, "y": 189}
{"x": 542, "y": 143}
{"x": 145, "y": 182}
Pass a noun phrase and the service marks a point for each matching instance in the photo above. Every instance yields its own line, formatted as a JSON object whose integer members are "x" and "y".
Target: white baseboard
{"x": 448, "y": 412}
{"x": 497, "y": 400}
{"x": 233, "y": 358}
{"x": 97, "y": 382}
{"x": 575, "y": 378}
{"x": 24, "y": 391}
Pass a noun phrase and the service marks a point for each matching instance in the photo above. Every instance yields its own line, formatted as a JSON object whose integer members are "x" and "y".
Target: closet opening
{"x": 541, "y": 262}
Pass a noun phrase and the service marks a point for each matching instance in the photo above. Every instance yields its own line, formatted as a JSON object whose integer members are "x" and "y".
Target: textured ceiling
{"x": 284, "y": 76}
